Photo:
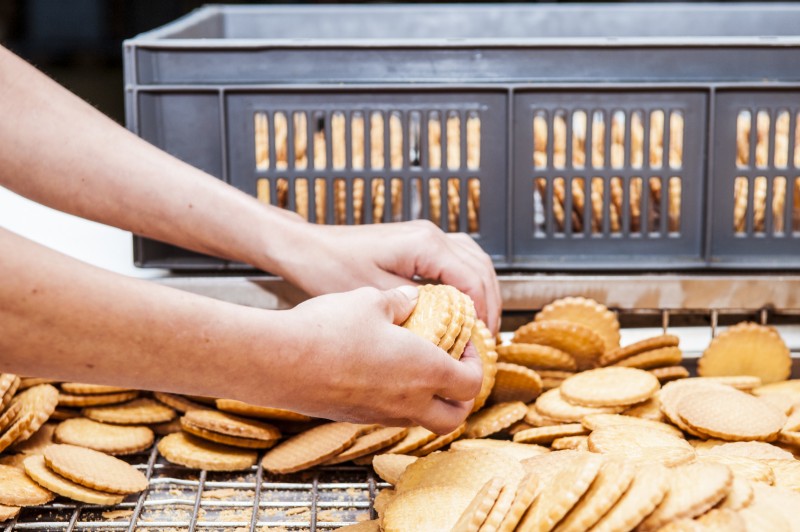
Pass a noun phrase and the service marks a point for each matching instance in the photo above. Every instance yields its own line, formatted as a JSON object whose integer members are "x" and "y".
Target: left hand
{"x": 342, "y": 258}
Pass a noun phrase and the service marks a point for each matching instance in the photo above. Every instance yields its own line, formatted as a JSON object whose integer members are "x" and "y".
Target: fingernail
{"x": 411, "y": 292}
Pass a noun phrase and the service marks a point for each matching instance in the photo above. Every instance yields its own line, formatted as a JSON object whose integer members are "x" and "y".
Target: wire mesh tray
{"x": 180, "y": 498}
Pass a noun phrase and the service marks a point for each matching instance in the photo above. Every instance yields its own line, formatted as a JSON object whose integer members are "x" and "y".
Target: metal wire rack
{"x": 182, "y": 499}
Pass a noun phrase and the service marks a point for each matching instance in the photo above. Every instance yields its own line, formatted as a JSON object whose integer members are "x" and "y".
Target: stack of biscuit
{"x": 404, "y": 151}
{"x": 570, "y": 431}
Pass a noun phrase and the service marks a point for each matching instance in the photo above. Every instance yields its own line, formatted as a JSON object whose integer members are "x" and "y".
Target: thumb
{"x": 401, "y": 302}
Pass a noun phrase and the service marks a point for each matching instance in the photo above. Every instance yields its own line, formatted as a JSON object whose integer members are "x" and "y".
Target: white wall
{"x": 98, "y": 244}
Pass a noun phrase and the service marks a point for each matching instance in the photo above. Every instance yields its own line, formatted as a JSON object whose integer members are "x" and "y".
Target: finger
{"x": 400, "y": 302}
{"x": 461, "y": 379}
{"x": 444, "y": 416}
{"x": 484, "y": 268}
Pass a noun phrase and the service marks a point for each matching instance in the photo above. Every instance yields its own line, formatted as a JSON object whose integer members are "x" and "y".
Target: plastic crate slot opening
{"x": 343, "y": 142}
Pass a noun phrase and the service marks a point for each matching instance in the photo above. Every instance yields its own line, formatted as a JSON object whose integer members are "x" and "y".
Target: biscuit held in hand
{"x": 357, "y": 365}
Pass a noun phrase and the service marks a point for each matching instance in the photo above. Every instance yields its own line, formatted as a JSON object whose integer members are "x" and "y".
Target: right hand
{"x": 355, "y": 364}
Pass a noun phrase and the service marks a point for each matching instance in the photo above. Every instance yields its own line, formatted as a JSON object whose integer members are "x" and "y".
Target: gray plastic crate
{"x": 567, "y": 137}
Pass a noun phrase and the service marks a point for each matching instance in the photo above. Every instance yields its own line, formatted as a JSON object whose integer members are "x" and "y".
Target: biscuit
{"x": 435, "y": 508}
{"x": 178, "y": 402}
{"x": 693, "y": 490}
{"x": 669, "y": 373}
{"x": 433, "y": 314}
{"x": 666, "y": 356}
{"x": 755, "y": 450}
{"x": 528, "y": 490}
{"x": 458, "y": 307}
{"x": 484, "y": 344}
{"x": 650, "y": 409}
{"x": 40, "y": 401}
{"x": 310, "y": 448}
{"x": 8, "y": 512}
{"x": 611, "y": 482}
{"x": 391, "y": 466}
{"x": 740, "y": 495}
{"x": 579, "y": 341}
{"x": 562, "y": 488}
{"x": 230, "y": 425}
{"x": 370, "y": 443}
{"x": 542, "y": 435}
{"x": 413, "y": 440}
{"x": 494, "y": 419}
{"x": 17, "y": 489}
{"x": 570, "y": 443}
{"x": 731, "y": 353}
{"x": 102, "y": 437}
{"x": 598, "y": 421}
{"x": 467, "y": 325}
{"x": 94, "y": 469}
{"x": 519, "y": 451}
{"x": 611, "y": 386}
{"x": 649, "y": 344}
{"x": 186, "y": 450}
{"x": 36, "y": 468}
{"x": 76, "y": 388}
{"x": 515, "y": 383}
{"x": 136, "y": 412}
{"x": 535, "y": 419}
{"x": 21, "y": 422}
{"x": 742, "y": 467}
{"x": 8, "y": 417}
{"x": 263, "y": 412}
{"x": 732, "y": 416}
{"x": 478, "y": 509}
{"x": 649, "y": 487}
{"x": 225, "y": 439}
{"x": 552, "y": 405}
{"x": 585, "y": 312}
{"x": 8, "y": 387}
{"x": 536, "y": 356}
{"x": 637, "y": 445}
{"x": 38, "y": 442}
{"x": 468, "y": 469}
{"x": 99, "y": 399}
{"x": 671, "y": 394}
{"x": 500, "y": 508}
{"x": 439, "y": 442}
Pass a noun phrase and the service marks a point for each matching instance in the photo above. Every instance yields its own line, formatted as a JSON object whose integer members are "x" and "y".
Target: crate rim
{"x": 158, "y": 37}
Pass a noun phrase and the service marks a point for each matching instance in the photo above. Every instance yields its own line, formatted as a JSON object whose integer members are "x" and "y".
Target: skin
{"x": 329, "y": 357}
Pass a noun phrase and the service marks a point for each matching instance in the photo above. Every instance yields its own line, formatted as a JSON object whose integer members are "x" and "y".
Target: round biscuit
{"x": 639, "y": 445}
{"x": 519, "y": 451}
{"x": 231, "y": 425}
{"x": 515, "y": 383}
{"x": 550, "y": 404}
{"x": 310, "y": 448}
{"x": 484, "y": 344}
{"x": 413, "y": 440}
{"x": 370, "y": 443}
{"x": 582, "y": 343}
{"x": 36, "y": 468}
{"x": 102, "y": 437}
{"x": 542, "y": 435}
{"x": 732, "y": 416}
{"x": 536, "y": 357}
{"x": 693, "y": 490}
{"x": 432, "y": 314}
{"x": 17, "y": 489}
{"x": 439, "y": 442}
{"x": 94, "y": 469}
{"x": 731, "y": 353}
{"x": 136, "y": 412}
{"x": 611, "y": 386}
{"x": 587, "y": 312}
{"x": 186, "y": 450}
{"x": 669, "y": 373}
{"x": 495, "y": 418}
{"x": 642, "y": 346}
{"x": 666, "y": 356}
{"x": 225, "y": 439}
{"x": 69, "y": 400}
{"x": 390, "y": 467}
{"x": 78, "y": 388}
{"x": 262, "y": 412}
{"x": 649, "y": 487}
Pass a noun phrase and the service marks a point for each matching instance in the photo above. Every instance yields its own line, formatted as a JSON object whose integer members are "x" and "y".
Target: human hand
{"x": 353, "y": 363}
{"x": 340, "y": 258}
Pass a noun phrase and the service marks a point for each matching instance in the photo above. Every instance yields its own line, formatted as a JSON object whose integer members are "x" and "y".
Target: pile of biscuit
{"x": 570, "y": 431}
{"x": 393, "y": 145}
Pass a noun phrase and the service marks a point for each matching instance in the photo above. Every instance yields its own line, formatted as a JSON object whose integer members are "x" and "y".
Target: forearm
{"x": 62, "y": 319}
{"x": 58, "y": 150}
